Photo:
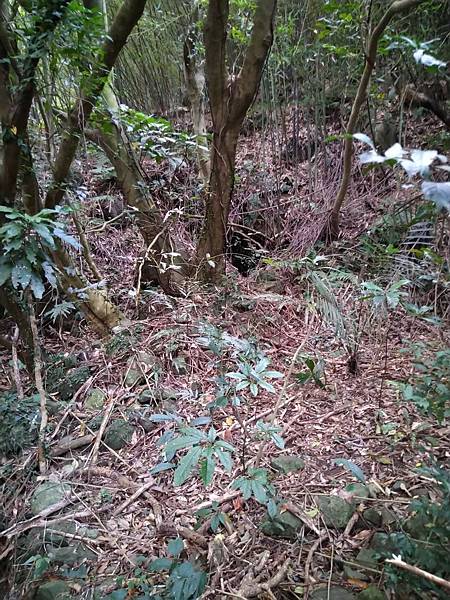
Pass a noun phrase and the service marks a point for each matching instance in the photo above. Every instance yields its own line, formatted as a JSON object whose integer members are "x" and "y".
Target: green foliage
{"x": 184, "y": 581}
{"x": 19, "y": 422}
{"x": 426, "y": 543}
{"x": 255, "y": 484}
{"x": 214, "y": 514}
{"x": 384, "y": 299}
{"x": 204, "y": 450}
{"x": 254, "y": 376}
{"x": 315, "y": 371}
{"x": 27, "y": 244}
{"x": 156, "y": 136}
{"x": 269, "y": 432}
{"x": 429, "y": 388}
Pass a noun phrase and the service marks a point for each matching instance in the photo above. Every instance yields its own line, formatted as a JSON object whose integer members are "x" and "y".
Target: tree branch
{"x": 215, "y": 37}
{"x": 126, "y": 18}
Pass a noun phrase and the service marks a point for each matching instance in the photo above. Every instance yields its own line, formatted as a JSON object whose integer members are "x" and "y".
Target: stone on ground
{"x": 336, "y": 512}
{"x": 48, "y": 494}
{"x": 288, "y": 464}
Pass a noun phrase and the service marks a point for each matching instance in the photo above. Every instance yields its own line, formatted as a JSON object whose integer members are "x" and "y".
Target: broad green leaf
{"x": 45, "y": 234}
{"x": 37, "y": 286}
{"x": 175, "y": 547}
{"x": 66, "y": 238}
{"x": 163, "y": 466}
{"x": 5, "y": 272}
{"x": 21, "y": 274}
{"x": 357, "y": 472}
{"x": 259, "y": 492}
{"x": 187, "y": 465}
{"x": 207, "y": 469}
{"x": 224, "y": 458}
{"x": 179, "y": 443}
{"x": 160, "y": 564}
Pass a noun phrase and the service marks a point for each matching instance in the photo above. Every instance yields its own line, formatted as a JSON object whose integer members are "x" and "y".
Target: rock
{"x": 53, "y": 590}
{"x": 70, "y": 555}
{"x": 137, "y": 366}
{"x": 336, "y": 593}
{"x": 387, "y": 517}
{"x": 284, "y": 525}
{"x": 95, "y": 400}
{"x": 147, "y": 397}
{"x": 72, "y": 528}
{"x": 72, "y": 382}
{"x": 288, "y": 464}
{"x": 118, "y": 434}
{"x": 356, "y": 493}
{"x": 371, "y": 593}
{"x": 133, "y": 377}
{"x": 367, "y": 557}
{"x": 47, "y": 494}
{"x": 336, "y": 512}
{"x": 373, "y": 516}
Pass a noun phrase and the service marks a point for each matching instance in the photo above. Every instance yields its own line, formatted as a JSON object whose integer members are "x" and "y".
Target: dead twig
{"x": 133, "y": 497}
{"x": 186, "y": 533}
{"x": 70, "y": 443}
{"x": 37, "y": 357}
{"x": 101, "y": 431}
{"x": 397, "y": 562}
{"x": 253, "y": 590}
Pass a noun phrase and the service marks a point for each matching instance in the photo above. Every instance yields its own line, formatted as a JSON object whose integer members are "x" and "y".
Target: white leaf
{"x": 395, "y": 151}
{"x": 427, "y": 60}
{"x": 439, "y": 193}
{"x": 362, "y": 137}
{"x": 371, "y": 157}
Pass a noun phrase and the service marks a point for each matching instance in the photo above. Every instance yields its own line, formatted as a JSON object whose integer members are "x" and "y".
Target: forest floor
{"x": 100, "y": 514}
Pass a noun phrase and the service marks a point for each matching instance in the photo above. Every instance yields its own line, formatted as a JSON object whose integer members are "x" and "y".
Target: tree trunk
{"x": 194, "y": 77}
{"x": 229, "y": 99}
{"x": 212, "y": 244}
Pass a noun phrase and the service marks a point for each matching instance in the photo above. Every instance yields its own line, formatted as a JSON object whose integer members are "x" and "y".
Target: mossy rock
{"x": 371, "y": 593}
{"x": 118, "y": 434}
{"x": 95, "y": 400}
{"x": 53, "y": 590}
{"x": 70, "y": 555}
{"x": 284, "y": 525}
{"x": 19, "y": 423}
{"x": 48, "y": 494}
{"x": 71, "y": 382}
{"x": 336, "y": 512}
{"x": 356, "y": 493}
{"x": 288, "y": 464}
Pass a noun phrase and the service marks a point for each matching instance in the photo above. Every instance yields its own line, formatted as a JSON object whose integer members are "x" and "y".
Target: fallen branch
{"x": 186, "y": 533}
{"x": 397, "y": 562}
{"x": 70, "y": 443}
{"x": 133, "y": 497}
{"x": 252, "y": 590}
{"x": 37, "y": 357}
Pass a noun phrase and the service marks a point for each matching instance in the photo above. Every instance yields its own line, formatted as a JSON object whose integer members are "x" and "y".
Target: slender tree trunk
{"x": 194, "y": 77}
{"x": 229, "y": 99}
{"x": 212, "y": 244}
{"x": 332, "y": 227}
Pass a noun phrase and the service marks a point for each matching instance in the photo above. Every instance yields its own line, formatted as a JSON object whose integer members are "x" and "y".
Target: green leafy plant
{"x": 184, "y": 581}
{"x": 269, "y": 432}
{"x": 27, "y": 244}
{"x": 315, "y": 371}
{"x": 426, "y": 539}
{"x": 255, "y": 484}
{"x": 254, "y": 376}
{"x": 384, "y": 299}
{"x": 429, "y": 388}
{"x": 204, "y": 449}
{"x": 216, "y": 517}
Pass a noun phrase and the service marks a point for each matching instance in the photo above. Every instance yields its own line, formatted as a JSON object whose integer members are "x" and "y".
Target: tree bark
{"x": 230, "y": 99}
{"x": 194, "y": 76}
{"x": 332, "y": 227}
